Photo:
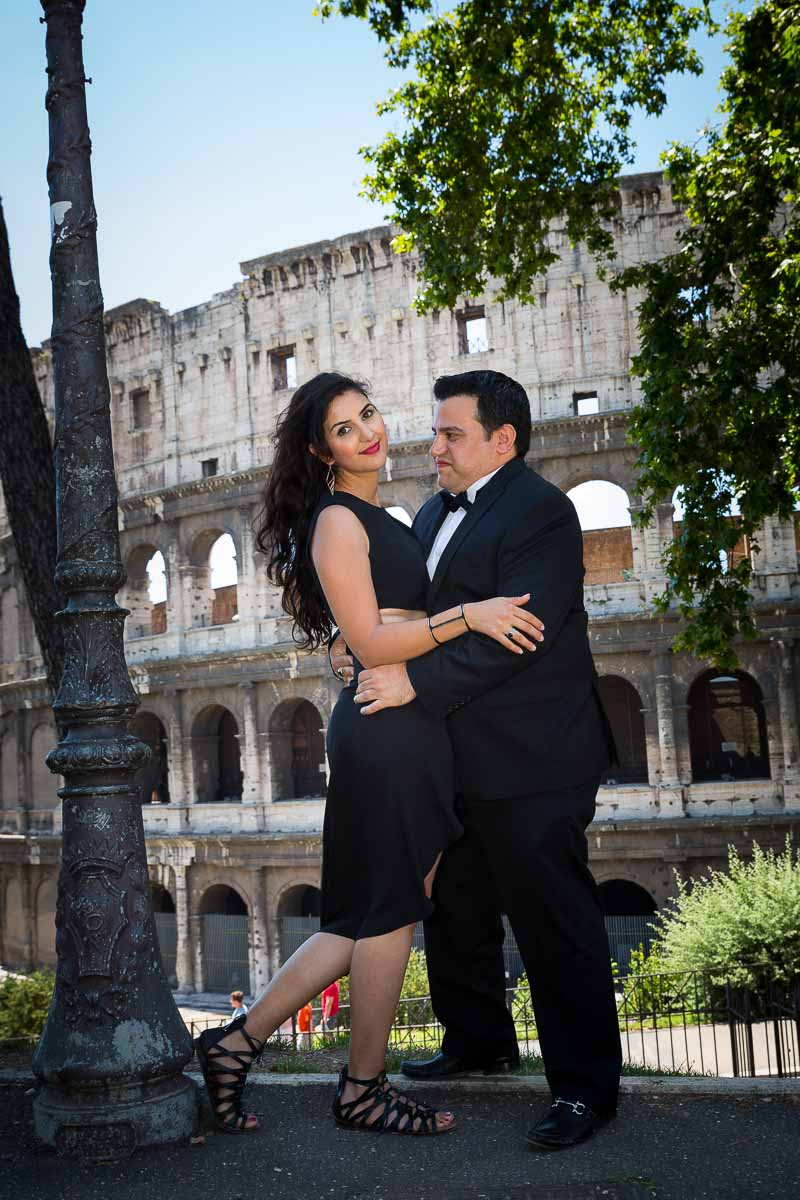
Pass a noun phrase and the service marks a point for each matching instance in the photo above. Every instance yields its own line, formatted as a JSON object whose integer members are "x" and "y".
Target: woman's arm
{"x": 340, "y": 552}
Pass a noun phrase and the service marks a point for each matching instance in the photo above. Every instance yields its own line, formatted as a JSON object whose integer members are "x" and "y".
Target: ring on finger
{"x": 511, "y": 632}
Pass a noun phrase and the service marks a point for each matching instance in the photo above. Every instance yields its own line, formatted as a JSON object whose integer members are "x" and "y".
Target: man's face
{"x": 461, "y": 450}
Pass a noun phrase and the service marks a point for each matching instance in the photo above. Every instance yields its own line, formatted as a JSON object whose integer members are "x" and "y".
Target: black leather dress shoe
{"x": 566, "y": 1124}
{"x": 444, "y": 1066}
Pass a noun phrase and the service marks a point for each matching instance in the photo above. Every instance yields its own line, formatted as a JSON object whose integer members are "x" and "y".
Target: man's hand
{"x": 341, "y": 661}
{"x": 384, "y": 687}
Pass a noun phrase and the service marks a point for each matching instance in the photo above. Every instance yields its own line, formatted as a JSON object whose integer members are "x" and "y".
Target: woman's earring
{"x": 330, "y": 479}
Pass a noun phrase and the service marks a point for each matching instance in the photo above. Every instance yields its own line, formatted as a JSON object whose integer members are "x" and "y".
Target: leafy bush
{"x": 731, "y": 923}
{"x": 522, "y": 1009}
{"x": 24, "y": 1005}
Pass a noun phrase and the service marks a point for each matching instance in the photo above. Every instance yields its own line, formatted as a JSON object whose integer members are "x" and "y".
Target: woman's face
{"x": 355, "y": 434}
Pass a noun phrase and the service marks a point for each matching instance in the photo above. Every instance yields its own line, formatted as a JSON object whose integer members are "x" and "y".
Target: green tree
{"x": 732, "y": 923}
{"x": 720, "y": 338}
{"x": 517, "y": 114}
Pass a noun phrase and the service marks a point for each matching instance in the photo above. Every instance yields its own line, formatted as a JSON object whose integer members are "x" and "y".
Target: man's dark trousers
{"x": 527, "y": 857}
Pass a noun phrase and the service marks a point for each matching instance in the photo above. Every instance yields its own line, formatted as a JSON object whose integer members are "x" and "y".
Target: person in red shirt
{"x": 305, "y": 1026}
{"x": 330, "y": 1006}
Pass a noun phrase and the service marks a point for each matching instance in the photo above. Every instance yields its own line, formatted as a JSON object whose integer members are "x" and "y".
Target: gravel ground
{"x": 663, "y": 1149}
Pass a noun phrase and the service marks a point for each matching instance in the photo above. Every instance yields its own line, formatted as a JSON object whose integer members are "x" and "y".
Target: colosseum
{"x": 233, "y": 797}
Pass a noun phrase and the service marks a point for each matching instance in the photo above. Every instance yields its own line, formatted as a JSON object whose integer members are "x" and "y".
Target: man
{"x": 330, "y": 1006}
{"x": 531, "y": 741}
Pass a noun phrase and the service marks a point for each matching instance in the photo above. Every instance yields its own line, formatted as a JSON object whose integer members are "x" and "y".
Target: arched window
{"x": 153, "y": 779}
{"x": 604, "y": 513}
{"x": 217, "y": 760}
{"x": 727, "y": 728}
{"x": 298, "y": 750}
{"x": 623, "y": 707}
{"x": 224, "y": 581}
{"x": 145, "y": 592}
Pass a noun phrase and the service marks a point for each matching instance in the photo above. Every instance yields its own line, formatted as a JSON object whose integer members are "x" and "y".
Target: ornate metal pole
{"x": 114, "y": 1046}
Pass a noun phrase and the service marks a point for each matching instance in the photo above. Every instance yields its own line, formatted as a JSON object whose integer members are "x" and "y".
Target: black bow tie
{"x": 454, "y": 503}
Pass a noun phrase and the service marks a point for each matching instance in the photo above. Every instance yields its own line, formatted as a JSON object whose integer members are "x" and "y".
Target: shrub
{"x": 24, "y": 1005}
{"x": 522, "y": 1009}
{"x": 415, "y": 984}
{"x": 731, "y": 923}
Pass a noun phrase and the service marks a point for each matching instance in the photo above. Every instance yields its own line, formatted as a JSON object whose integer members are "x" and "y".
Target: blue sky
{"x": 220, "y": 132}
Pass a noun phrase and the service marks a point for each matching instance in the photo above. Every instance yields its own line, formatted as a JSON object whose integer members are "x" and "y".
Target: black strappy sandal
{"x": 227, "y": 1108}
{"x": 421, "y": 1120}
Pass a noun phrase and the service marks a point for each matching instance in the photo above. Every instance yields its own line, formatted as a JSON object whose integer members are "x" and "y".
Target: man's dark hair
{"x": 238, "y": 996}
{"x": 501, "y": 401}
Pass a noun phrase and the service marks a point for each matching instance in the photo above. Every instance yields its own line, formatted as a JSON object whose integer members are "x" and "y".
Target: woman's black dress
{"x": 389, "y": 810}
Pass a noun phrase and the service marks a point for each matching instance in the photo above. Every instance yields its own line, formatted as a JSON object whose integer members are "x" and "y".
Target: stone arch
{"x": 161, "y": 898}
{"x": 153, "y": 778}
{"x": 146, "y": 571}
{"x": 46, "y": 896}
{"x": 603, "y": 508}
{"x": 44, "y": 784}
{"x": 216, "y": 756}
{"x": 297, "y": 746}
{"x": 626, "y": 898}
{"x": 727, "y": 727}
{"x": 298, "y": 916}
{"x": 213, "y": 600}
{"x": 224, "y": 918}
{"x": 9, "y": 626}
{"x": 299, "y": 900}
{"x": 623, "y": 706}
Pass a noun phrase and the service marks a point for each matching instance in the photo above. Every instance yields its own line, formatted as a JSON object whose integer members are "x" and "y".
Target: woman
{"x": 341, "y": 558}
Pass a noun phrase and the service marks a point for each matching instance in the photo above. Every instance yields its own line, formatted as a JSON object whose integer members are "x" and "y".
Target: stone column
{"x": 662, "y": 669}
{"x": 777, "y": 553}
{"x": 259, "y": 955}
{"x": 196, "y": 927}
{"x": 23, "y": 772}
{"x": 175, "y": 773}
{"x": 176, "y": 621}
{"x": 652, "y": 746}
{"x": 265, "y": 759}
{"x": 29, "y": 914}
{"x": 670, "y": 796}
{"x": 784, "y": 652}
{"x": 249, "y": 748}
{"x": 183, "y": 954}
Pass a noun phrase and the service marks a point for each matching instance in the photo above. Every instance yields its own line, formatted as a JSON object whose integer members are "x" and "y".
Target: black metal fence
{"x": 673, "y": 1022}
{"x": 625, "y": 934}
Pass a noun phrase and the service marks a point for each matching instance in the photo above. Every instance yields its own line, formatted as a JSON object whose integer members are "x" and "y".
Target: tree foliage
{"x": 720, "y": 337}
{"x": 731, "y": 923}
{"x": 517, "y": 114}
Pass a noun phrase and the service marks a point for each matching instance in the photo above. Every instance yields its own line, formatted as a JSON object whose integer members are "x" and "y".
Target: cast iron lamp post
{"x": 113, "y": 1049}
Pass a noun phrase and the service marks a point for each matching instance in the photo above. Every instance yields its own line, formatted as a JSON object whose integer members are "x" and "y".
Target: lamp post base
{"x": 108, "y": 1123}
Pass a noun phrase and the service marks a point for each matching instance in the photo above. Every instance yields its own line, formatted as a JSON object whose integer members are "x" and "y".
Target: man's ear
{"x": 505, "y": 439}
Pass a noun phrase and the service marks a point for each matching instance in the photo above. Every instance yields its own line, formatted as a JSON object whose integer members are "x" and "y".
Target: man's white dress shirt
{"x": 451, "y": 523}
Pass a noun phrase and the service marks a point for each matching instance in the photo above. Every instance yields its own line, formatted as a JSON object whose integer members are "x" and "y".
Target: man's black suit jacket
{"x": 518, "y": 723}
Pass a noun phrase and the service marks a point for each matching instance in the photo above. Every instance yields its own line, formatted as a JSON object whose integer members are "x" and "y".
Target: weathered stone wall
{"x": 195, "y": 397}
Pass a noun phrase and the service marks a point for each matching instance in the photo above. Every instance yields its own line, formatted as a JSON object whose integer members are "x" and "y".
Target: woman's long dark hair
{"x": 295, "y": 484}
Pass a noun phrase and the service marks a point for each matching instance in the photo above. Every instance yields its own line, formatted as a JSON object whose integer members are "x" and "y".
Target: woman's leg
{"x": 376, "y": 978}
{"x": 315, "y": 964}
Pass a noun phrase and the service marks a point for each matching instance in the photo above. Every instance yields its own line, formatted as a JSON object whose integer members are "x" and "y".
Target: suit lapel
{"x": 428, "y": 523}
{"x": 486, "y": 498}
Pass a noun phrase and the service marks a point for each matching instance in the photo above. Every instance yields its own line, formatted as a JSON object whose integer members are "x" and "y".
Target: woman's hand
{"x": 507, "y": 621}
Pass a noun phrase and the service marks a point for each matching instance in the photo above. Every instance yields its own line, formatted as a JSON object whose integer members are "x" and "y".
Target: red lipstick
{"x": 373, "y": 449}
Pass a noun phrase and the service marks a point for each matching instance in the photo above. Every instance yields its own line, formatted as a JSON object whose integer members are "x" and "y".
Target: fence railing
{"x": 674, "y": 1022}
